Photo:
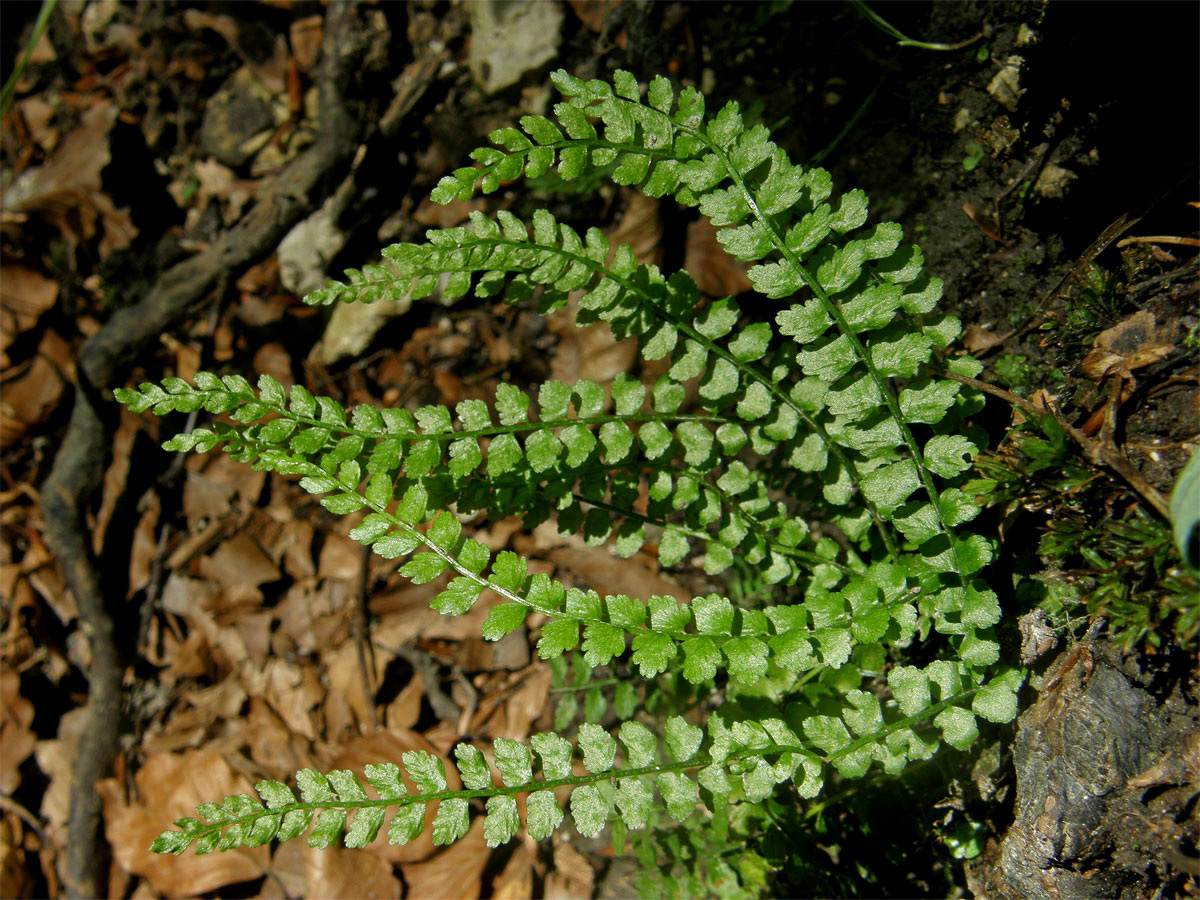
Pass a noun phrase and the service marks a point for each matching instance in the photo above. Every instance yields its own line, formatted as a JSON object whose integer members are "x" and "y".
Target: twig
{"x": 1159, "y": 239}
{"x": 426, "y": 666}
{"x": 902, "y": 39}
{"x": 1189, "y": 268}
{"x": 77, "y": 470}
{"x": 362, "y": 644}
{"x": 1122, "y": 224}
{"x": 1103, "y": 451}
{"x": 1007, "y": 396}
{"x": 26, "y": 816}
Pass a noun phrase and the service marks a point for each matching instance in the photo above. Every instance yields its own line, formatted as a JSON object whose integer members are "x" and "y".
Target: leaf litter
{"x": 243, "y": 593}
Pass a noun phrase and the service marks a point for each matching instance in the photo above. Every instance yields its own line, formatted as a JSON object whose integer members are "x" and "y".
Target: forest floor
{"x": 176, "y": 177}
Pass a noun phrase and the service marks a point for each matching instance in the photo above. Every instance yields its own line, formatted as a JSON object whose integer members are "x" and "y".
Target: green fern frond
{"x": 824, "y": 449}
{"x": 736, "y": 760}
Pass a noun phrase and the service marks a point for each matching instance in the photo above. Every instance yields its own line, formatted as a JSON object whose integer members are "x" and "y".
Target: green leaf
{"x": 503, "y": 619}
{"x": 910, "y": 687}
{"x": 949, "y": 454}
{"x": 426, "y": 771}
{"x": 683, "y": 740}
{"x": 514, "y": 762}
{"x": 407, "y": 824}
{"x": 543, "y": 815}
{"x": 502, "y": 820}
{"x": 701, "y": 659}
{"x": 640, "y": 744}
{"x": 680, "y": 794}
{"x": 713, "y": 614}
{"x": 598, "y": 748}
{"x": 759, "y": 781}
{"x": 892, "y": 484}
{"x": 747, "y": 659}
{"x": 635, "y": 801}
{"x": 472, "y": 767}
{"x": 451, "y": 821}
{"x": 1185, "y": 511}
{"x": 423, "y": 568}
{"x": 652, "y": 653}
{"x": 558, "y": 636}
{"x": 601, "y": 642}
{"x": 958, "y": 727}
{"x": 928, "y": 403}
{"x": 366, "y": 824}
{"x": 327, "y": 829}
{"x": 589, "y": 809}
{"x": 851, "y": 211}
{"x": 555, "y": 753}
{"x": 996, "y": 702}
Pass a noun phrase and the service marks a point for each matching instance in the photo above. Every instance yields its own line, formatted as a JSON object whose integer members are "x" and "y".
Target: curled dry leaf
{"x": 1132, "y": 344}
{"x": 980, "y": 340}
{"x": 16, "y": 738}
{"x": 24, "y": 295}
{"x": 170, "y": 785}
{"x": 455, "y": 872}
{"x": 32, "y": 391}
{"x": 66, "y": 190}
{"x": 305, "y": 38}
{"x": 717, "y": 273}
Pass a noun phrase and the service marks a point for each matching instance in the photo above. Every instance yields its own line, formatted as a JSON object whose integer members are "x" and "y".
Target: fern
{"x": 832, "y": 421}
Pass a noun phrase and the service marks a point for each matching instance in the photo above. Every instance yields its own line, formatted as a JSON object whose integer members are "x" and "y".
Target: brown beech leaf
{"x": 455, "y": 872}
{"x": 717, "y": 273}
{"x": 31, "y": 392}
{"x": 170, "y": 785}
{"x": 66, "y": 189}
{"x": 16, "y": 738}
{"x": 25, "y": 294}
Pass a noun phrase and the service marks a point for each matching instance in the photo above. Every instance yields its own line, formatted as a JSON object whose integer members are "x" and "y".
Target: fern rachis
{"x": 831, "y": 413}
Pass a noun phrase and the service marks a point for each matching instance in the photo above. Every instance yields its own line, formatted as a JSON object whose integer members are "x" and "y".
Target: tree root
{"x": 78, "y": 467}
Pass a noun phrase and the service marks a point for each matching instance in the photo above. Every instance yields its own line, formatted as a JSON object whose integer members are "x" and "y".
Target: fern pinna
{"x": 823, "y": 449}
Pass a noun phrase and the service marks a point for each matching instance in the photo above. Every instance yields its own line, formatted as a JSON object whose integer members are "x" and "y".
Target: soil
{"x": 1031, "y": 164}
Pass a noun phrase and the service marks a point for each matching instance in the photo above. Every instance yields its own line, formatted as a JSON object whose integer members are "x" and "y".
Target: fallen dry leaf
{"x": 169, "y": 786}
{"x": 593, "y": 12}
{"x": 305, "y": 38}
{"x": 436, "y": 215}
{"x": 16, "y": 738}
{"x": 1132, "y": 344}
{"x": 25, "y": 294}
{"x": 66, "y": 190}
{"x": 339, "y": 872}
{"x": 455, "y": 872}
{"x": 515, "y": 882}
{"x": 238, "y": 566}
{"x": 56, "y": 758}
{"x": 31, "y": 391}
{"x": 979, "y": 340}
{"x": 717, "y": 273}
{"x": 15, "y": 878}
{"x": 115, "y": 475}
{"x": 572, "y": 877}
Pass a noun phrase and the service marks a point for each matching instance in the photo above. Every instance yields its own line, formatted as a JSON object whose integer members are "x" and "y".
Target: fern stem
{"x": 835, "y": 312}
{"x": 711, "y": 346}
{"x": 571, "y": 781}
{"x": 517, "y": 428}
